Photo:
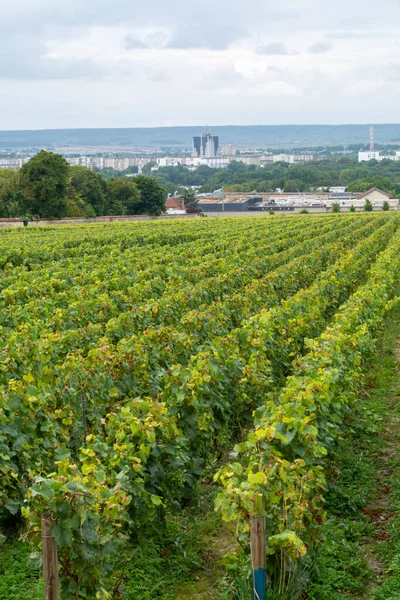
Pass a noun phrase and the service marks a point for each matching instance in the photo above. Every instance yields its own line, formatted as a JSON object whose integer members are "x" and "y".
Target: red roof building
{"x": 174, "y": 204}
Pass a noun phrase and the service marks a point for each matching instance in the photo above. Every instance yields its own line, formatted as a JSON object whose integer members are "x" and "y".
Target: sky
{"x": 131, "y": 63}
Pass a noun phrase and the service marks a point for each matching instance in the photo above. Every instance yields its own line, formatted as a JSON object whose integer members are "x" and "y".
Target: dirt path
{"x": 206, "y": 581}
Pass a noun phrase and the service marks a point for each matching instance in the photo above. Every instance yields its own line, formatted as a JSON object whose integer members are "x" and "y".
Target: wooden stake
{"x": 258, "y": 557}
{"x": 50, "y": 558}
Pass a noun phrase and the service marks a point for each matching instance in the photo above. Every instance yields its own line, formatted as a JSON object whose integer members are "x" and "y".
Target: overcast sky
{"x": 131, "y": 63}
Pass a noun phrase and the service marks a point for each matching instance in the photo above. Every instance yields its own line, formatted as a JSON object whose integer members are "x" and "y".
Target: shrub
{"x": 368, "y": 206}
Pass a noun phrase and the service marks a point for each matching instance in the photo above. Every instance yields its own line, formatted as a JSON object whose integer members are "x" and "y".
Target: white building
{"x": 376, "y": 155}
{"x": 249, "y": 160}
{"x": 167, "y": 161}
{"x": 228, "y": 150}
{"x": 377, "y": 198}
{"x": 12, "y": 163}
{"x": 216, "y": 162}
{"x": 339, "y": 189}
{"x": 287, "y": 158}
{"x": 369, "y": 155}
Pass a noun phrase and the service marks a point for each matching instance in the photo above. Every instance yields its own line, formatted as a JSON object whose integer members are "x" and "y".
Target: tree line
{"x": 309, "y": 176}
{"x": 48, "y": 187}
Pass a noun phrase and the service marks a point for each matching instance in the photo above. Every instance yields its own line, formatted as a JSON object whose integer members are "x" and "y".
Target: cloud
{"x": 24, "y": 58}
{"x": 157, "y": 75}
{"x": 320, "y": 48}
{"x": 208, "y": 35}
{"x": 53, "y": 69}
{"x": 348, "y": 35}
{"x": 273, "y": 49}
{"x": 223, "y": 76}
{"x": 155, "y": 38}
{"x": 207, "y": 62}
{"x": 133, "y": 43}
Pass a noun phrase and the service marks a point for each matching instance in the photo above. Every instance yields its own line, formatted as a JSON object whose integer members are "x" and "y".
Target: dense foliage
{"x": 323, "y": 173}
{"x": 130, "y": 353}
{"x": 48, "y": 187}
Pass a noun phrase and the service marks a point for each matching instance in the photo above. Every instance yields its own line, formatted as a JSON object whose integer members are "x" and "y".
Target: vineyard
{"x": 137, "y": 358}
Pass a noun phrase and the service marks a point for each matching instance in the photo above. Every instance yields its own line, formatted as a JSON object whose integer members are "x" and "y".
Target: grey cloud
{"x": 348, "y": 35}
{"x": 157, "y": 75}
{"x": 391, "y": 73}
{"x": 208, "y": 35}
{"x": 388, "y": 73}
{"x": 132, "y": 43}
{"x": 153, "y": 39}
{"x": 296, "y": 15}
{"x": 222, "y": 77}
{"x": 172, "y": 13}
{"x": 309, "y": 81}
{"x": 206, "y": 24}
{"x": 52, "y": 69}
{"x": 67, "y": 69}
{"x": 320, "y": 48}
{"x": 273, "y": 49}
{"x": 275, "y": 71}
{"x": 25, "y": 58}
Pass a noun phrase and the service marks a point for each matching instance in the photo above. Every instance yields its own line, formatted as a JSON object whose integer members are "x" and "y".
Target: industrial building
{"x": 314, "y": 202}
{"x": 228, "y": 205}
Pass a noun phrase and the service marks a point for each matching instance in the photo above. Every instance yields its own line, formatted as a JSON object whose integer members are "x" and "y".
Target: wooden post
{"x": 50, "y": 558}
{"x": 258, "y": 557}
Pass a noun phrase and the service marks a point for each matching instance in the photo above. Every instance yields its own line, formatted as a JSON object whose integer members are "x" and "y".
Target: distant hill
{"x": 249, "y": 136}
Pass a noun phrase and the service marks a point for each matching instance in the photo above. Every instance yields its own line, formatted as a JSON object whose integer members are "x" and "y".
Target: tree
{"x": 44, "y": 183}
{"x": 386, "y": 205}
{"x": 10, "y": 194}
{"x": 292, "y": 185}
{"x": 189, "y": 197}
{"x": 91, "y": 187}
{"x": 123, "y": 197}
{"x": 148, "y": 166}
{"x": 152, "y": 194}
{"x": 76, "y": 206}
{"x": 368, "y": 206}
{"x": 335, "y": 207}
{"x": 352, "y": 208}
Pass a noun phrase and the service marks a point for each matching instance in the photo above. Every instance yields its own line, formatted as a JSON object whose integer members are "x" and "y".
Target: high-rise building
{"x": 205, "y": 146}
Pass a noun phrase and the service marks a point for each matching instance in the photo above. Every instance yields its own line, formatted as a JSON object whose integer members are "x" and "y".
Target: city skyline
{"x": 77, "y": 64}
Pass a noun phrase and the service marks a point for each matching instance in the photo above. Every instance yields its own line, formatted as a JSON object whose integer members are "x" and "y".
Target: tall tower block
{"x": 372, "y": 138}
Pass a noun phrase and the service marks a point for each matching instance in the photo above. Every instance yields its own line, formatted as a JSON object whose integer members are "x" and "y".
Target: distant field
{"x": 131, "y": 354}
{"x": 242, "y": 136}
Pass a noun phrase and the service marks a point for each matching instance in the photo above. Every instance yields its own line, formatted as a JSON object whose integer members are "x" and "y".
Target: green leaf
{"x": 13, "y": 506}
{"x": 62, "y": 453}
